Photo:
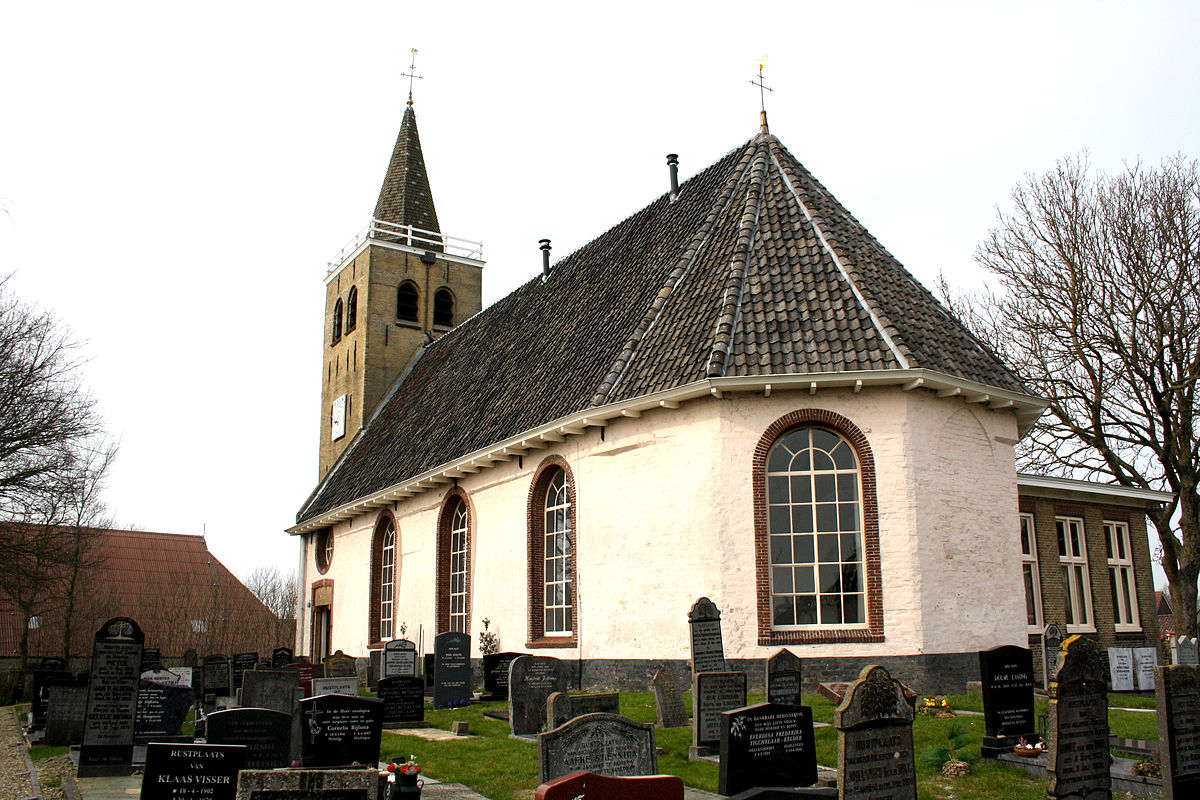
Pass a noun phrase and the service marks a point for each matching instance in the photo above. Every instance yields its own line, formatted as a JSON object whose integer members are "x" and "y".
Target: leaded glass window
{"x": 459, "y": 572}
{"x": 559, "y": 573}
{"x": 387, "y": 579}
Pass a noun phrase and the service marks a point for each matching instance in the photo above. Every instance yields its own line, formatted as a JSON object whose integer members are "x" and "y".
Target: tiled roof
{"x": 754, "y": 270}
{"x": 405, "y": 198}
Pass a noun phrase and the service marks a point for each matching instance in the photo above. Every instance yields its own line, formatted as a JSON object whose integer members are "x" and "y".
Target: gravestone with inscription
{"x": 340, "y": 665}
{"x": 1178, "y": 702}
{"x": 163, "y": 702}
{"x": 708, "y": 649}
{"x": 1077, "y": 758}
{"x": 339, "y": 731}
{"x": 1120, "y": 669}
{"x": 399, "y": 658}
{"x": 531, "y": 681}
{"x": 495, "y": 675}
{"x": 1145, "y": 659}
{"x": 1051, "y": 644}
{"x": 107, "y": 747}
{"x": 604, "y": 744}
{"x": 668, "y": 700}
{"x": 270, "y": 688}
{"x": 64, "y": 715}
{"x": 1184, "y": 650}
{"x": 241, "y": 664}
{"x": 191, "y": 771}
{"x": 309, "y": 784}
{"x": 305, "y": 673}
{"x": 281, "y": 657}
{"x": 266, "y": 734}
{"x": 767, "y": 744}
{"x": 784, "y": 678}
{"x": 452, "y": 670}
{"x": 43, "y": 679}
{"x": 151, "y": 659}
{"x": 713, "y": 693}
{"x": 562, "y": 707}
{"x": 346, "y": 686}
{"x": 875, "y": 742}
{"x": 1006, "y": 675}
{"x": 403, "y": 698}
{"x": 217, "y": 681}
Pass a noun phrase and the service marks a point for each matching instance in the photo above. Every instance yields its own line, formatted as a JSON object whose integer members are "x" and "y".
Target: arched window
{"x": 406, "y": 302}
{"x": 443, "y": 308}
{"x": 385, "y": 563}
{"x": 454, "y": 565}
{"x": 352, "y": 309}
{"x": 337, "y": 322}
{"x": 816, "y": 533}
{"x": 552, "y": 546}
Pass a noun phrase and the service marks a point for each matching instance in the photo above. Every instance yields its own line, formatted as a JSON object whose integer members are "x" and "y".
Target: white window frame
{"x": 1077, "y": 583}
{"x": 35, "y": 622}
{"x": 557, "y": 553}
{"x": 1121, "y": 576}
{"x": 1030, "y": 574}
{"x": 459, "y": 569}
{"x": 387, "y": 578}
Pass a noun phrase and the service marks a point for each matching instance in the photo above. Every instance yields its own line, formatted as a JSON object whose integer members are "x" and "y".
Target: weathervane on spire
{"x": 411, "y": 74}
{"x": 762, "y": 88}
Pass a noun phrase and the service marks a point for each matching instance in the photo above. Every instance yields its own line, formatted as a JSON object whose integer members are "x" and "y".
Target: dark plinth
{"x": 338, "y": 731}
{"x": 266, "y": 735}
{"x": 1006, "y": 676}
{"x": 107, "y": 747}
{"x": 452, "y": 670}
{"x": 191, "y": 772}
{"x": 767, "y": 744}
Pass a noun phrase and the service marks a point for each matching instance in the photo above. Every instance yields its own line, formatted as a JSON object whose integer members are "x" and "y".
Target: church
{"x": 735, "y": 393}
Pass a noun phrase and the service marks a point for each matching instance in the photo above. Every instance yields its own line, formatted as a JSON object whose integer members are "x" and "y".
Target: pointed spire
{"x": 405, "y": 197}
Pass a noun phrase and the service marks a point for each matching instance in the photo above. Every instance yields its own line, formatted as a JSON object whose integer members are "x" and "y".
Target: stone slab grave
{"x": 780, "y": 793}
{"x": 308, "y": 784}
{"x": 531, "y": 681}
{"x": 217, "y": 680}
{"x": 43, "y": 679}
{"x": 107, "y": 745}
{"x": 276, "y": 689}
{"x": 163, "y": 702}
{"x": 346, "y": 686}
{"x": 1052, "y": 638}
{"x": 266, "y": 735}
{"x": 604, "y": 744}
{"x": 281, "y": 657}
{"x": 240, "y": 664}
{"x": 340, "y": 665}
{"x": 403, "y": 698}
{"x": 399, "y": 658}
{"x": 495, "y": 675}
{"x": 713, "y": 693}
{"x": 452, "y": 670}
{"x": 708, "y": 649}
{"x": 64, "y": 715}
{"x": 1178, "y": 702}
{"x": 784, "y": 678}
{"x": 605, "y": 787}
{"x": 668, "y": 700}
{"x": 187, "y": 771}
{"x": 833, "y": 691}
{"x": 875, "y": 742}
{"x": 151, "y": 659}
{"x": 1121, "y": 670}
{"x": 767, "y": 744}
{"x": 1145, "y": 661}
{"x": 1077, "y": 757}
{"x": 1006, "y": 677}
{"x": 561, "y": 707}
{"x": 339, "y": 731}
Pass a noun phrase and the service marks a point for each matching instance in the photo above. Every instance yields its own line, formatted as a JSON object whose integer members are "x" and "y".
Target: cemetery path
{"x": 15, "y": 779}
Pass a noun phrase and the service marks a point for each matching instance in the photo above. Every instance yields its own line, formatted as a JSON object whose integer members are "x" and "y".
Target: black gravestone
{"x": 403, "y": 698}
{"x": 452, "y": 673}
{"x": 266, "y": 734}
{"x": 1006, "y": 674}
{"x": 767, "y": 745}
{"x": 216, "y": 676}
{"x": 281, "y": 657}
{"x": 1077, "y": 759}
{"x": 43, "y": 679}
{"x": 243, "y": 663}
{"x": 151, "y": 659}
{"x": 191, "y": 772}
{"x": 495, "y": 675}
{"x": 337, "y": 730}
{"x": 399, "y": 658}
{"x": 784, "y": 679}
{"x": 429, "y": 662}
{"x": 708, "y": 649}
{"x": 1177, "y": 691}
{"x": 875, "y": 740}
{"x": 65, "y": 714}
{"x": 190, "y": 658}
{"x": 161, "y": 710}
{"x": 107, "y": 747}
{"x": 531, "y": 681}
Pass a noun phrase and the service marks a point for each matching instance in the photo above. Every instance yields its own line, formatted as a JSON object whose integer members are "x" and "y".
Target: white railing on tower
{"x": 408, "y": 236}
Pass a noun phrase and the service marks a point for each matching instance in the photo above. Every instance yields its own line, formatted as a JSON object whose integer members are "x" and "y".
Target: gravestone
{"x": 767, "y": 744}
{"x": 562, "y": 707}
{"x": 161, "y": 709}
{"x": 187, "y": 771}
{"x": 151, "y": 659}
{"x": 708, "y": 650}
{"x": 604, "y": 744}
{"x": 495, "y": 675}
{"x": 784, "y": 678}
{"x": 43, "y": 679}
{"x": 274, "y": 689}
{"x": 875, "y": 742}
{"x": 216, "y": 676}
{"x": 1120, "y": 669}
{"x": 605, "y": 787}
{"x": 374, "y": 668}
{"x": 713, "y": 693}
{"x": 452, "y": 670}
{"x": 1051, "y": 645}
{"x": 531, "y": 681}
{"x": 191, "y": 658}
{"x": 1006, "y": 675}
{"x": 107, "y": 746}
{"x": 308, "y": 784}
{"x": 266, "y": 734}
{"x": 399, "y": 658}
{"x": 428, "y": 664}
{"x": 281, "y": 657}
{"x": 668, "y": 700}
{"x": 243, "y": 663}
{"x": 340, "y": 665}
{"x": 338, "y": 731}
{"x": 344, "y": 686}
{"x": 52, "y": 664}
{"x": 1077, "y": 758}
{"x": 403, "y": 698}
{"x": 305, "y": 673}
{"x": 64, "y": 715}
{"x": 1178, "y": 703}
{"x": 1145, "y": 660}
{"x": 1184, "y": 650}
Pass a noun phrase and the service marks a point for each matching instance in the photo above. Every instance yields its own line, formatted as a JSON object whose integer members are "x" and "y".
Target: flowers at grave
{"x": 935, "y": 707}
{"x": 410, "y": 767}
{"x": 454, "y": 704}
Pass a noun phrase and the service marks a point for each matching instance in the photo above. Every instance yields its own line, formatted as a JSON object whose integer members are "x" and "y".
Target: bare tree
{"x": 279, "y": 594}
{"x": 1098, "y": 310}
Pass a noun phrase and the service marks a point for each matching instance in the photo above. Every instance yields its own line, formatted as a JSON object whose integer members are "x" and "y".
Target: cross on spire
{"x": 411, "y": 74}
{"x": 762, "y": 88}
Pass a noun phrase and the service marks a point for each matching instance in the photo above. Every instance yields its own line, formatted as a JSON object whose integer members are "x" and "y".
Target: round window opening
{"x": 324, "y": 550}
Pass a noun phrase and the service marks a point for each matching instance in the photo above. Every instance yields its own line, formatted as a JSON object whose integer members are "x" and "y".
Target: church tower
{"x": 399, "y": 284}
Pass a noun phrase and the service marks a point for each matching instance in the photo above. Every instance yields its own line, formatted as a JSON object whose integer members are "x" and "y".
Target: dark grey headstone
{"x": 161, "y": 709}
{"x": 403, "y": 698}
{"x": 452, "y": 670}
{"x": 1077, "y": 759}
{"x": 531, "y": 681}
{"x": 243, "y": 663}
{"x": 1178, "y": 696}
{"x": 274, "y": 689}
{"x": 1051, "y": 643}
{"x": 495, "y": 675}
{"x": 784, "y": 678}
{"x": 714, "y": 693}
{"x": 875, "y": 742}
{"x": 603, "y": 744}
{"x": 767, "y": 745}
{"x": 708, "y": 649}
{"x": 217, "y": 680}
{"x": 266, "y": 734}
{"x": 191, "y": 658}
{"x": 151, "y": 659}
{"x": 186, "y": 771}
{"x": 562, "y": 707}
{"x": 107, "y": 747}
{"x": 338, "y": 731}
{"x": 399, "y": 658}
{"x": 1006, "y": 677}
{"x": 672, "y": 713}
{"x": 281, "y": 657}
{"x": 340, "y": 665}
{"x": 43, "y": 679}
{"x": 65, "y": 713}
{"x": 1120, "y": 669}
{"x": 1145, "y": 660}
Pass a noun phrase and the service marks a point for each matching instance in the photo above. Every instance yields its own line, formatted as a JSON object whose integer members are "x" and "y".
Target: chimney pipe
{"x": 673, "y": 164}
{"x": 545, "y": 243}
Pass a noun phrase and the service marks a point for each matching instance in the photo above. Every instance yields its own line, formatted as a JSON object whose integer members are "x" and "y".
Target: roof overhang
{"x": 1027, "y": 409}
{"x": 1069, "y": 488}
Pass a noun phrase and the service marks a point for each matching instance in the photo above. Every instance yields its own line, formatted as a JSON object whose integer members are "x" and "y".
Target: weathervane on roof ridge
{"x": 411, "y": 74}
{"x": 762, "y": 98}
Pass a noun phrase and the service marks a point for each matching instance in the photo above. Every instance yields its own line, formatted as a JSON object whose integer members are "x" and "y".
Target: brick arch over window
{"x": 385, "y": 522}
{"x": 454, "y": 499}
{"x": 536, "y": 513}
{"x": 873, "y": 631}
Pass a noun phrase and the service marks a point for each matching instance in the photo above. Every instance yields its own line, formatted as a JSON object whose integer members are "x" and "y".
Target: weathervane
{"x": 762, "y": 88}
{"x": 412, "y": 73}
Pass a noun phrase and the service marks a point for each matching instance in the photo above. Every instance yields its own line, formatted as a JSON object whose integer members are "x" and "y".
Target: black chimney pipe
{"x": 545, "y": 243}
{"x": 673, "y": 164}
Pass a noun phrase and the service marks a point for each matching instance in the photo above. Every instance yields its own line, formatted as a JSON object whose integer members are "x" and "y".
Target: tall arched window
{"x": 385, "y": 563}
{"x": 406, "y": 302}
{"x": 553, "y": 526}
{"x": 454, "y": 565}
{"x": 443, "y": 308}
{"x": 352, "y": 309}
{"x": 337, "y": 322}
